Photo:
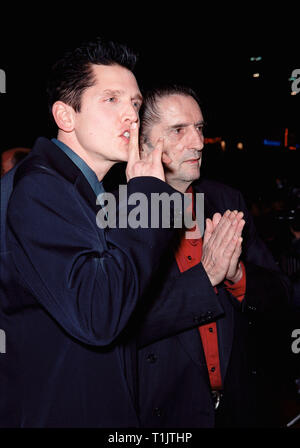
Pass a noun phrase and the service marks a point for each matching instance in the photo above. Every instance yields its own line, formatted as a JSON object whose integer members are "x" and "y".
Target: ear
{"x": 63, "y": 115}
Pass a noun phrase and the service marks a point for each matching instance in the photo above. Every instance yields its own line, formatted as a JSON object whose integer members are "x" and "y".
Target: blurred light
{"x": 293, "y": 92}
{"x": 277, "y": 143}
{"x": 255, "y": 75}
{"x": 212, "y": 139}
{"x": 292, "y": 78}
{"x": 255, "y": 59}
{"x": 240, "y": 145}
{"x": 286, "y": 135}
{"x": 223, "y": 145}
{"x": 271, "y": 143}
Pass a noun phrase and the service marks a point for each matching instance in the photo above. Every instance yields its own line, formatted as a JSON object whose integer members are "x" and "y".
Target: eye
{"x": 177, "y": 130}
{"x": 137, "y": 105}
{"x": 111, "y": 99}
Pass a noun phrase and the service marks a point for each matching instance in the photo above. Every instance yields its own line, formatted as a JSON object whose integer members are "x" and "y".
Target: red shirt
{"x": 189, "y": 254}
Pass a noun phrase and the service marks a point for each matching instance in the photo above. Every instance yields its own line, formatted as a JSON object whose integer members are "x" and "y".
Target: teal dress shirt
{"x": 89, "y": 174}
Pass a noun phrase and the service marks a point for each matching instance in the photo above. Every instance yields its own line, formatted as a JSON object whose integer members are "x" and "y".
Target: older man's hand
{"x": 222, "y": 247}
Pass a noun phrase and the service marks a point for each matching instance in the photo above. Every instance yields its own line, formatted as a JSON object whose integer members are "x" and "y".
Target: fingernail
{"x": 133, "y": 125}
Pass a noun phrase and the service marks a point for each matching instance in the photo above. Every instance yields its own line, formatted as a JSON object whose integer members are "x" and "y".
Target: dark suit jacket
{"x": 174, "y": 389}
{"x": 68, "y": 294}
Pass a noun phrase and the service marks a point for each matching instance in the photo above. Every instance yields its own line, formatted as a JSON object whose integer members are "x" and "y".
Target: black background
{"x": 207, "y": 50}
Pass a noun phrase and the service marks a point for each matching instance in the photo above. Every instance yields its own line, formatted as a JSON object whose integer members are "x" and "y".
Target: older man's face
{"x": 181, "y": 128}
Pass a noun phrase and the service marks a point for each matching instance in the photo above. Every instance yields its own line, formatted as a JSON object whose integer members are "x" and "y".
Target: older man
{"x": 207, "y": 376}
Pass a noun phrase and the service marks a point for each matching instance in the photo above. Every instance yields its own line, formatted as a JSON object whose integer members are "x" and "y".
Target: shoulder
{"x": 38, "y": 179}
{"x": 47, "y": 158}
{"x": 44, "y": 171}
{"x": 216, "y": 189}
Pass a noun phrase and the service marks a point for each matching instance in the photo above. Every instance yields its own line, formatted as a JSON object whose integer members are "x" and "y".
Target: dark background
{"x": 207, "y": 50}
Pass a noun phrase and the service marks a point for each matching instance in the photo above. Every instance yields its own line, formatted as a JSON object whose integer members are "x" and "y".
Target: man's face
{"x": 181, "y": 128}
{"x": 107, "y": 110}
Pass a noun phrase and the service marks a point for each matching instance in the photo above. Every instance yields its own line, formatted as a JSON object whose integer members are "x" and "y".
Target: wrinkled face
{"x": 181, "y": 128}
{"x": 107, "y": 110}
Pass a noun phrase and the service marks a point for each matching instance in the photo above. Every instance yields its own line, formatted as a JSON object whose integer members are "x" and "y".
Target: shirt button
{"x": 251, "y": 308}
{"x": 212, "y": 369}
{"x": 211, "y": 329}
{"x": 157, "y": 412}
{"x": 151, "y": 358}
{"x": 189, "y": 257}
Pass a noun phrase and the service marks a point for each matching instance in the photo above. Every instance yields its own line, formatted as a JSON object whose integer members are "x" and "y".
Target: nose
{"x": 131, "y": 113}
{"x": 196, "y": 139}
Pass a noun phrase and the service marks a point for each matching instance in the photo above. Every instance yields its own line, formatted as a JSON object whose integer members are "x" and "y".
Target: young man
{"x": 211, "y": 375}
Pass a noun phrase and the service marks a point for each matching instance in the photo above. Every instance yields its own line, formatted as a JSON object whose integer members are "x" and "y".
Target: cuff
{"x": 238, "y": 289}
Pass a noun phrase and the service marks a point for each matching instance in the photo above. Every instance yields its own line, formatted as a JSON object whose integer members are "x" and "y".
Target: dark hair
{"x": 150, "y": 112}
{"x": 72, "y": 73}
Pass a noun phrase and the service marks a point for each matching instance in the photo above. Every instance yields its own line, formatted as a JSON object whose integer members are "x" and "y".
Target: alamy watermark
{"x": 2, "y": 81}
{"x": 160, "y": 211}
{"x": 296, "y": 343}
{"x": 295, "y": 77}
{"x": 2, "y": 341}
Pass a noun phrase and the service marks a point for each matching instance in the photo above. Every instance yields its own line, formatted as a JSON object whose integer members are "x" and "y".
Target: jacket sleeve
{"x": 179, "y": 303}
{"x": 90, "y": 284}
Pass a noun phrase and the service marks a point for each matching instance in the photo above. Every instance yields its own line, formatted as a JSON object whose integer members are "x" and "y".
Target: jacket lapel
{"x": 47, "y": 156}
{"x": 191, "y": 343}
{"x": 225, "y": 324}
{"x": 225, "y": 328}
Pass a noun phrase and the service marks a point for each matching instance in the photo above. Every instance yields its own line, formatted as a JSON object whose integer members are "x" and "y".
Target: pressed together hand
{"x": 222, "y": 246}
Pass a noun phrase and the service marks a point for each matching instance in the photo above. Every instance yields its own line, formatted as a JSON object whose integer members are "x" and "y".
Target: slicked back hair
{"x": 150, "y": 112}
{"x": 73, "y": 73}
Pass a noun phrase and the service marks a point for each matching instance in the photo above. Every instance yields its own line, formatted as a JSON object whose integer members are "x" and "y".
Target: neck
{"x": 96, "y": 163}
{"x": 179, "y": 186}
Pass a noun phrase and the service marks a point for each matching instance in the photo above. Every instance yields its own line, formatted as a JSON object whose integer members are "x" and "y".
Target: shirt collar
{"x": 89, "y": 174}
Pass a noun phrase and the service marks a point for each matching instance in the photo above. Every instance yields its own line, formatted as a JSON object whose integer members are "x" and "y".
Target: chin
{"x": 195, "y": 175}
{"x": 122, "y": 155}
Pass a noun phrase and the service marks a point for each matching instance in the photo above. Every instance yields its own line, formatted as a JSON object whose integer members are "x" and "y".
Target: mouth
{"x": 125, "y": 136}
{"x": 192, "y": 161}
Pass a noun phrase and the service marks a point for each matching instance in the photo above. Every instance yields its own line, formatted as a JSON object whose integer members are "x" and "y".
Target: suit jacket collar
{"x": 46, "y": 156}
{"x": 201, "y": 186}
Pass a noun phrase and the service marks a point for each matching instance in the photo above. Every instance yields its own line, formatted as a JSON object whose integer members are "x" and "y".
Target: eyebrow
{"x": 184, "y": 125}
{"x": 120, "y": 92}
